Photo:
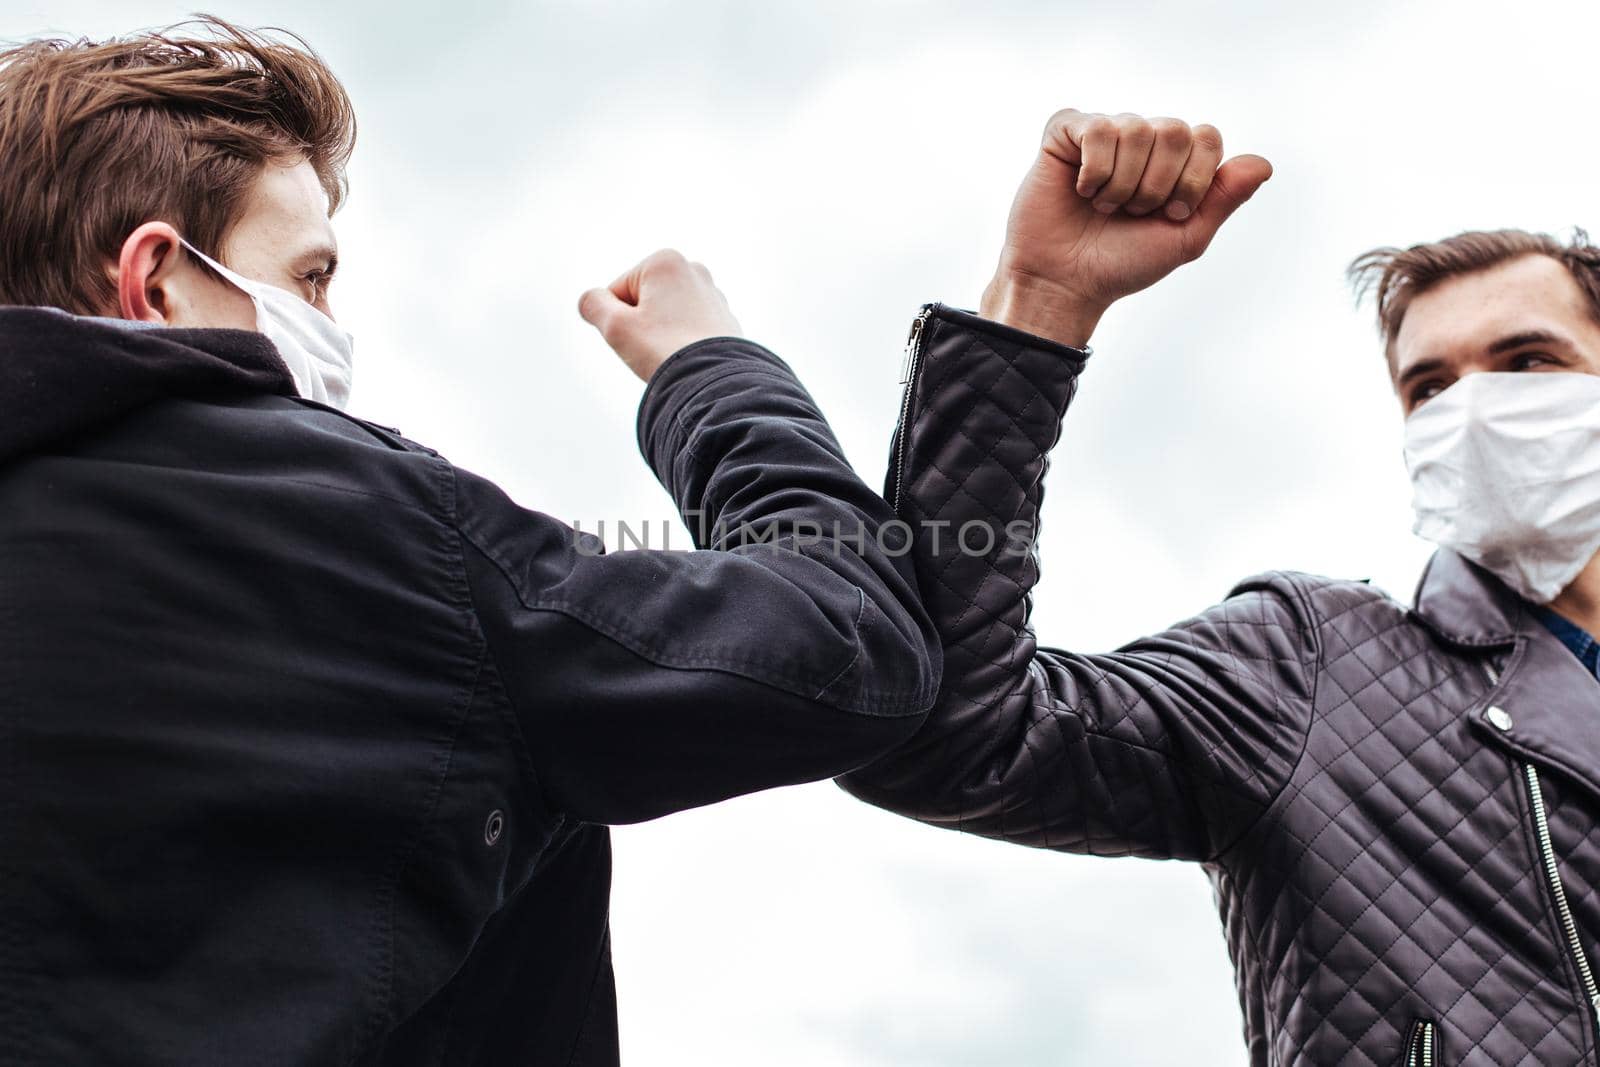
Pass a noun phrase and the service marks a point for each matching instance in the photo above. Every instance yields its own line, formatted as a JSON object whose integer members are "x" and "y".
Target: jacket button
{"x": 1498, "y": 717}
{"x": 494, "y": 826}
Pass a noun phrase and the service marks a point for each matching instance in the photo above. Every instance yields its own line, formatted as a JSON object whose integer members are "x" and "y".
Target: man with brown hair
{"x": 308, "y": 738}
{"x": 1397, "y": 805}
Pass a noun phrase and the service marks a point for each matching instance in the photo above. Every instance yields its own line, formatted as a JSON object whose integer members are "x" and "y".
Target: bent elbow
{"x": 894, "y": 687}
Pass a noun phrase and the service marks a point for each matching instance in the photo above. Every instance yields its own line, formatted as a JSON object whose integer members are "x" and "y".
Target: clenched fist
{"x": 658, "y": 307}
{"x": 1112, "y": 204}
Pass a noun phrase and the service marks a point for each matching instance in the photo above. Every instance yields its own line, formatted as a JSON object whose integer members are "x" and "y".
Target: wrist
{"x": 1039, "y": 307}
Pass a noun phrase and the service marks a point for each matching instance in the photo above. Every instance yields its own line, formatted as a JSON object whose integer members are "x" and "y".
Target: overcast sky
{"x": 835, "y": 165}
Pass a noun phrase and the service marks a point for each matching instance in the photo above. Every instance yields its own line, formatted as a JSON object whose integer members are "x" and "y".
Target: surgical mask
{"x": 320, "y": 354}
{"x": 1505, "y": 470}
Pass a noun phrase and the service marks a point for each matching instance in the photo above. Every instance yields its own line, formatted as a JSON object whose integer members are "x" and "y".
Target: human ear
{"x": 145, "y": 269}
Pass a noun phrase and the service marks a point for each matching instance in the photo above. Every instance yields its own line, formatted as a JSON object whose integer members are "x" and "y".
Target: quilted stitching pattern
{"x": 1307, "y": 739}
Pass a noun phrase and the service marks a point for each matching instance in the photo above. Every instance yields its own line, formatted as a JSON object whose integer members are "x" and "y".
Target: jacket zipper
{"x": 1419, "y": 1052}
{"x": 1541, "y": 825}
{"x": 1552, "y": 874}
{"x": 908, "y": 374}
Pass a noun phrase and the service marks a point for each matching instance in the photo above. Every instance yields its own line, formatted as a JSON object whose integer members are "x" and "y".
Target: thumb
{"x": 1235, "y": 182}
{"x": 600, "y": 308}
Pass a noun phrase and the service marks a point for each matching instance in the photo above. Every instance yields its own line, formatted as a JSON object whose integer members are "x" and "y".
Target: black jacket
{"x": 308, "y": 738}
{"x": 1397, "y": 805}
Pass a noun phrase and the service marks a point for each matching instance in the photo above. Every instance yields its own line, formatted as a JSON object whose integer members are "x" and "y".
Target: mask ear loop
{"x": 233, "y": 278}
{"x": 223, "y": 272}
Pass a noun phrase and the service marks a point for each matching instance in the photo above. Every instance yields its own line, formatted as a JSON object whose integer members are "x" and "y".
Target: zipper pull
{"x": 912, "y": 339}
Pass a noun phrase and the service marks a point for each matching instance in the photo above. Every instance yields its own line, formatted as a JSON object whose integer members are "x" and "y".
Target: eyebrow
{"x": 1502, "y": 345}
{"x": 326, "y": 253}
{"x": 1420, "y": 367}
{"x": 1526, "y": 337}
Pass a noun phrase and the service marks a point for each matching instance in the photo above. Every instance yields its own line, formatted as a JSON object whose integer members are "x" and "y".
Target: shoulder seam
{"x": 450, "y": 494}
{"x": 1269, "y": 582}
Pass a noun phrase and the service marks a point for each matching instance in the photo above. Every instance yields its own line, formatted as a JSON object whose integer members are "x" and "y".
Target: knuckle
{"x": 1171, "y": 132}
{"x": 1208, "y": 137}
{"x": 1227, "y": 192}
{"x": 1136, "y": 128}
{"x": 1064, "y": 117}
{"x": 1100, "y": 126}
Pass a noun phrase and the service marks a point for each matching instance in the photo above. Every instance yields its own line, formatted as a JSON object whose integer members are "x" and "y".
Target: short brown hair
{"x": 1399, "y": 275}
{"x": 97, "y": 138}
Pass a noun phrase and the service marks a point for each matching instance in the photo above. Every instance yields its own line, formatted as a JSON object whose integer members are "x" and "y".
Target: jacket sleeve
{"x": 1168, "y": 747}
{"x": 788, "y": 647}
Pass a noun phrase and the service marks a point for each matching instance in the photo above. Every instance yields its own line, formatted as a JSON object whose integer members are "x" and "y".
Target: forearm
{"x": 983, "y": 410}
{"x": 743, "y": 450}
{"x": 755, "y": 469}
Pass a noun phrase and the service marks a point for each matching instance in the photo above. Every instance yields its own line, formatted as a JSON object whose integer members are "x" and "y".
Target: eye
{"x": 1524, "y": 360}
{"x": 318, "y": 280}
{"x": 1422, "y": 391}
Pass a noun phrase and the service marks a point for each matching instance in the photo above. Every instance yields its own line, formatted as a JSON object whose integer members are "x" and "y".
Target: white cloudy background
{"x": 836, "y": 164}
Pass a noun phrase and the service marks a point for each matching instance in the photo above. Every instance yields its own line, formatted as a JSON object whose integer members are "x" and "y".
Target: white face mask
{"x": 319, "y": 352}
{"x": 1505, "y": 469}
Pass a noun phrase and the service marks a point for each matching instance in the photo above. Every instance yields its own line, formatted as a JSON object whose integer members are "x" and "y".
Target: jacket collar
{"x": 1466, "y": 605}
{"x": 1548, "y": 701}
{"x": 63, "y": 375}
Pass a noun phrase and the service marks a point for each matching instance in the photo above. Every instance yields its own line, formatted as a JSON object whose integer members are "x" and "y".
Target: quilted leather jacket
{"x": 1396, "y": 805}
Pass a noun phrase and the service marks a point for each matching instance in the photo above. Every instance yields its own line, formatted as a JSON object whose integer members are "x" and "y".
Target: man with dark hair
{"x": 308, "y": 738}
{"x": 1396, "y": 805}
